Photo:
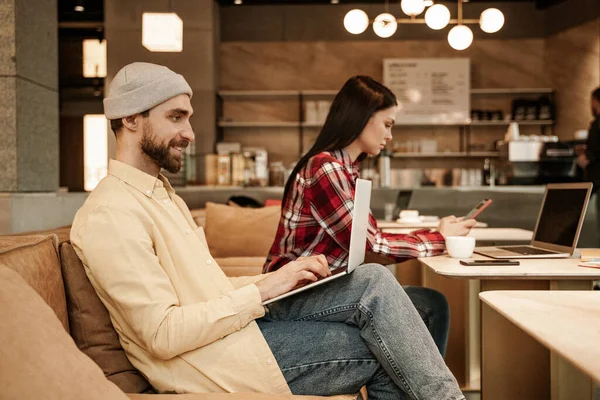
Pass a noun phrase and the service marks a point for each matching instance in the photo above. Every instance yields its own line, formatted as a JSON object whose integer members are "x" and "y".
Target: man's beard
{"x": 159, "y": 153}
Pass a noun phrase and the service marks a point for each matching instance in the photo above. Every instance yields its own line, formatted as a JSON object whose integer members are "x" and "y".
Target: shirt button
{"x": 209, "y": 262}
{"x": 165, "y": 201}
{"x": 188, "y": 231}
{"x": 269, "y": 361}
{"x": 149, "y": 192}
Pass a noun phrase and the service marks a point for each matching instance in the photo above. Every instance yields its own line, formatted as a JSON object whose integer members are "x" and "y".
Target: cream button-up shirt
{"x": 184, "y": 324}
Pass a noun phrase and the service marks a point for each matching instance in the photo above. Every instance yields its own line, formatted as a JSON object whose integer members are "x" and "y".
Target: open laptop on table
{"x": 358, "y": 240}
{"x": 557, "y": 228}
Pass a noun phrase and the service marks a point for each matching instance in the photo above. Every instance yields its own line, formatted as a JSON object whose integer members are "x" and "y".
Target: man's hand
{"x": 582, "y": 161}
{"x": 304, "y": 269}
{"x": 452, "y": 226}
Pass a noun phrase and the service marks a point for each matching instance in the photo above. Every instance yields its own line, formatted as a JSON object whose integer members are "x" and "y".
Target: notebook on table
{"x": 557, "y": 228}
{"x": 358, "y": 240}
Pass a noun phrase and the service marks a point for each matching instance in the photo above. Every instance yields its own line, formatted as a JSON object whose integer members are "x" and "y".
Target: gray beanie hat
{"x": 139, "y": 86}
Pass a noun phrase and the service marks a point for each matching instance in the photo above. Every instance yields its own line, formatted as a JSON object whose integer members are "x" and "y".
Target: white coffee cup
{"x": 460, "y": 246}
{"x": 409, "y": 215}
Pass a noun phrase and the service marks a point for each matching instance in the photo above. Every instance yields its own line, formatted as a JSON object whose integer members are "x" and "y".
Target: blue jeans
{"x": 434, "y": 310}
{"x": 361, "y": 329}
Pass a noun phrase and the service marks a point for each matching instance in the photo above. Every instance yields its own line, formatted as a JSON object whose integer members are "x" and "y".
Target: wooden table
{"x": 489, "y": 236}
{"x": 417, "y": 225}
{"x": 462, "y": 284}
{"x": 567, "y": 323}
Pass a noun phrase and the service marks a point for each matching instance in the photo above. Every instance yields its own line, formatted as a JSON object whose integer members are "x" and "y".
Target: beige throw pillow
{"x": 240, "y": 232}
{"x": 38, "y": 359}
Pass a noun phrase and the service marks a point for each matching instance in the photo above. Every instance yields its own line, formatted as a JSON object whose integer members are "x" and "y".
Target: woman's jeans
{"x": 361, "y": 329}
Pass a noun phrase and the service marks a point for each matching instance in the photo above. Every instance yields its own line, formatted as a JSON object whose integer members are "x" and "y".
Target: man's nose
{"x": 188, "y": 134}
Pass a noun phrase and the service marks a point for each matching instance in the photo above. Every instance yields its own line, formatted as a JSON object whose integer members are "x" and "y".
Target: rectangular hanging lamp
{"x": 94, "y": 58}
{"x": 95, "y": 150}
{"x": 162, "y": 32}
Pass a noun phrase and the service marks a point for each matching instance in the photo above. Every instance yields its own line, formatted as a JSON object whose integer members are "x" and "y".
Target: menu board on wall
{"x": 430, "y": 90}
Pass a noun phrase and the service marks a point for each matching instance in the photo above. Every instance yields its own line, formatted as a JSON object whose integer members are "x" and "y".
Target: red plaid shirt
{"x": 317, "y": 216}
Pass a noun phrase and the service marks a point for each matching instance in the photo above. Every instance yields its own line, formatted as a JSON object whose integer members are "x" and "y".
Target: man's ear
{"x": 131, "y": 122}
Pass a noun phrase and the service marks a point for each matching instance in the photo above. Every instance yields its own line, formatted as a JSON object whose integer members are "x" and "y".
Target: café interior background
{"x": 297, "y": 46}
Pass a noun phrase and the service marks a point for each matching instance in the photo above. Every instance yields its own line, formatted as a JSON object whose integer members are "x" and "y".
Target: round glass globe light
{"x": 460, "y": 37}
{"x": 412, "y": 8}
{"x": 385, "y": 25}
{"x": 437, "y": 16}
{"x": 356, "y": 21}
{"x": 491, "y": 20}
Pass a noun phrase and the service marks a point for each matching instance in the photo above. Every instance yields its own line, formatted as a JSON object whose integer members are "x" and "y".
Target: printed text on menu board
{"x": 430, "y": 90}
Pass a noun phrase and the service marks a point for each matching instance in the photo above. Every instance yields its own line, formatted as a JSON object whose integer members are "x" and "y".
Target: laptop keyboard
{"x": 526, "y": 250}
{"x": 337, "y": 271}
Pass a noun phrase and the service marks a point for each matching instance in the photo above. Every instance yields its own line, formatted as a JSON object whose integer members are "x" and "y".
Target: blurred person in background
{"x": 589, "y": 155}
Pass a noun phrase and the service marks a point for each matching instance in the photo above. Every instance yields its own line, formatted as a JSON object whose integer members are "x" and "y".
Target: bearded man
{"x": 189, "y": 328}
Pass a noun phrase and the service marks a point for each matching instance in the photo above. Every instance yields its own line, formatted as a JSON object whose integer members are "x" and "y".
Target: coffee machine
{"x": 537, "y": 162}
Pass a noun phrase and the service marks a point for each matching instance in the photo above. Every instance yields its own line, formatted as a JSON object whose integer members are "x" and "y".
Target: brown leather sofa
{"x": 50, "y": 316}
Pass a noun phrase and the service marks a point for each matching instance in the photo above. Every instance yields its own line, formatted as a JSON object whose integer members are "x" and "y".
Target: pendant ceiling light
{"x": 385, "y": 25}
{"x": 94, "y": 58}
{"x": 79, "y": 7}
{"x": 491, "y": 20}
{"x": 436, "y": 17}
{"x": 162, "y": 31}
{"x": 412, "y": 8}
{"x": 356, "y": 21}
{"x": 460, "y": 37}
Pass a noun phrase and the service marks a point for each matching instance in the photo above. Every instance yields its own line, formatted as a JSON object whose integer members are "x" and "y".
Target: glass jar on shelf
{"x": 277, "y": 174}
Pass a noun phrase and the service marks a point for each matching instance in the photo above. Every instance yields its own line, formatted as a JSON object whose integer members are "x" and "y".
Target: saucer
{"x": 408, "y": 220}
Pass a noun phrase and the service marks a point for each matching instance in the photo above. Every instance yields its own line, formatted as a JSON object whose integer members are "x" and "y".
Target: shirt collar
{"x": 138, "y": 179}
{"x": 344, "y": 157}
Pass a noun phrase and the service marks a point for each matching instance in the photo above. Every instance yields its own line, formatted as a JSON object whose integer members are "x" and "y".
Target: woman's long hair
{"x": 351, "y": 109}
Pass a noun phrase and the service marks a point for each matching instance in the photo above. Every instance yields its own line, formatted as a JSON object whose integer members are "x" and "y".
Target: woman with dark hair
{"x": 316, "y": 216}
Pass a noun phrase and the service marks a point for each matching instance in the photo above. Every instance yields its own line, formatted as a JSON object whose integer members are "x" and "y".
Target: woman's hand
{"x": 303, "y": 269}
{"x": 452, "y": 226}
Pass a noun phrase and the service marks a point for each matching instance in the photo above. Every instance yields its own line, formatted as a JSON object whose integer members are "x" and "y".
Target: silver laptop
{"x": 558, "y": 225}
{"x": 358, "y": 240}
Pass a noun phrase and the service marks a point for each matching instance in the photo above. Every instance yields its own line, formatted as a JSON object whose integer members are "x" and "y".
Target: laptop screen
{"x": 560, "y": 215}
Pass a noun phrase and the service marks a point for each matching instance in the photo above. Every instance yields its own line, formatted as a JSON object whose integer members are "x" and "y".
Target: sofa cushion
{"x": 241, "y": 266}
{"x": 38, "y": 359}
{"x": 240, "y": 232}
{"x": 35, "y": 258}
{"x": 92, "y": 329}
{"x": 62, "y": 233}
{"x": 199, "y": 215}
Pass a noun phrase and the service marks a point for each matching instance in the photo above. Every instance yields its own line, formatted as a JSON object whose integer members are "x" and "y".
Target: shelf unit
{"x": 261, "y": 124}
{"x": 302, "y": 95}
{"x": 517, "y": 91}
{"x": 473, "y": 123}
{"x": 461, "y": 154}
{"x": 537, "y": 122}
